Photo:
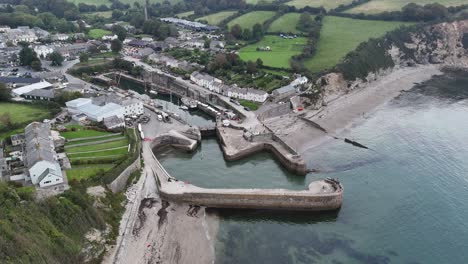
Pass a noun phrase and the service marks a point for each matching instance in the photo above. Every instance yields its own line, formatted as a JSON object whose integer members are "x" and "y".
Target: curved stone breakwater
{"x": 321, "y": 195}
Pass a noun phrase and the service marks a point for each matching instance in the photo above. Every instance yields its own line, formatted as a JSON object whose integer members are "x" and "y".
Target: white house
{"x": 60, "y": 37}
{"x": 43, "y": 50}
{"x": 41, "y": 158}
{"x": 109, "y": 37}
{"x": 299, "y": 81}
{"x": 205, "y": 80}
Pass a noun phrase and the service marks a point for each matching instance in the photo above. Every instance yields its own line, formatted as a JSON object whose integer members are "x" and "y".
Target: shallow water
{"x": 404, "y": 201}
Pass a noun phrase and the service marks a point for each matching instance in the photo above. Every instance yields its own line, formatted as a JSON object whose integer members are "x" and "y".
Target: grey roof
{"x": 146, "y": 51}
{"x": 112, "y": 121}
{"x": 105, "y": 99}
{"x": 39, "y": 145}
{"x": 130, "y": 101}
{"x": 284, "y": 89}
{"x": 47, "y": 93}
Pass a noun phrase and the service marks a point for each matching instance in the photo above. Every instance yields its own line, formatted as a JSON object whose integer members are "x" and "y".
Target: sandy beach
{"x": 354, "y": 107}
{"x": 156, "y": 231}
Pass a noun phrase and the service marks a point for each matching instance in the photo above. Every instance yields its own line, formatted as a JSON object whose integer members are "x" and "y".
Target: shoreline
{"x": 350, "y": 109}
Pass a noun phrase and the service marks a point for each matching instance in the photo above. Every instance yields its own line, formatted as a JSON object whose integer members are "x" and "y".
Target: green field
{"x": 216, "y": 18}
{"x": 104, "y": 14}
{"x": 250, "y": 19}
{"x": 285, "y": 24}
{"x": 92, "y": 2}
{"x": 340, "y": 35}
{"x": 23, "y": 113}
{"x": 85, "y": 171}
{"x": 185, "y": 14}
{"x": 281, "y": 51}
{"x": 254, "y": 2}
{"x": 98, "y": 33}
{"x": 379, "y": 6}
{"x": 327, "y": 4}
{"x": 131, "y": 2}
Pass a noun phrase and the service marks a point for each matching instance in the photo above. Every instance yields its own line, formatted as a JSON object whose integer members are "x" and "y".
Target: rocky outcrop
{"x": 436, "y": 44}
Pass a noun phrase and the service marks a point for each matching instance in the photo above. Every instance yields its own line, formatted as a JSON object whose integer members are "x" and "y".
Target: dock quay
{"x": 321, "y": 195}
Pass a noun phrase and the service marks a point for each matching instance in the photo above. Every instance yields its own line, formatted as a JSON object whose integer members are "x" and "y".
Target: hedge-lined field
{"x": 327, "y": 4}
{"x": 379, "y": 6}
{"x": 285, "y": 24}
{"x": 250, "y": 19}
{"x": 216, "y": 18}
{"x": 281, "y": 51}
{"x": 341, "y": 35}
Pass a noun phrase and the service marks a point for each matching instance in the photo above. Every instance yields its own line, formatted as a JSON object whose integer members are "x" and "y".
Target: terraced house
{"x": 41, "y": 158}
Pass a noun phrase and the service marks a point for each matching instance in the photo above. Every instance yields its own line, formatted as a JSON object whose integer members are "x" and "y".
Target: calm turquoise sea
{"x": 405, "y": 200}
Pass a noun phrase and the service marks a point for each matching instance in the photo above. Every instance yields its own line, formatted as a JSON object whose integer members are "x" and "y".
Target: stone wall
{"x": 120, "y": 182}
{"x": 278, "y": 110}
{"x": 259, "y": 199}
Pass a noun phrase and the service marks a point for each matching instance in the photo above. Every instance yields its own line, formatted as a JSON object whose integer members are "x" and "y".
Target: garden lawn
{"x": 84, "y": 133}
{"x": 285, "y": 24}
{"x": 100, "y": 153}
{"x": 250, "y": 19}
{"x": 216, "y": 18}
{"x": 341, "y": 35}
{"x": 327, "y": 4}
{"x": 281, "y": 51}
{"x": 23, "y": 113}
{"x": 107, "y": 145}
{"x": 251, "y": 105}
{"x": 98, "y": 33}
{"x": 80, "y": 172}
{"x": 103, "y": 14}
{"x": 379, "y": 6}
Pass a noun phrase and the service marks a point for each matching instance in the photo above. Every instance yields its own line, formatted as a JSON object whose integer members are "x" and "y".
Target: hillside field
{"x": 185, "y": 14}
{"x": 216, "y": 18}
{"x": 327, "y": 4}
{"x": 340, "y": 35}
{"x": 285, "y": 24}
{"x": 281, "y": 51}
{"x": 379, "y": 6}
{"x": 108, "y": 2}
{"x": 250, "y": 19}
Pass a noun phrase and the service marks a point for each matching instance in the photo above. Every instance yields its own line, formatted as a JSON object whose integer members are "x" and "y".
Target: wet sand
{"x": 155, "y": 231}
{"x": 352, "y": 108}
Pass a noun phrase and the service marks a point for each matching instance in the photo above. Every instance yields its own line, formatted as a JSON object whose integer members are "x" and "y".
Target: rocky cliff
{"x": 445, "y": 44}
